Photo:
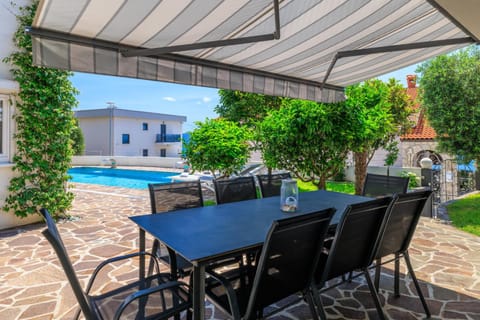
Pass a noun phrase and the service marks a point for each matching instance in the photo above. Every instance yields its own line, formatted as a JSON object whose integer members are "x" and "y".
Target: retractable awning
{"x": 308, "y": 49}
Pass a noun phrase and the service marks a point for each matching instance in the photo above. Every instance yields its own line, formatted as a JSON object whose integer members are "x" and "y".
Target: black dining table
{"x": 208, "y": 234}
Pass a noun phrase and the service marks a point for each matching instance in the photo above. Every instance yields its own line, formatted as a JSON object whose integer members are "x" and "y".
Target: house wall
{"x": 96, "y": 135}
{"x": 99, "y": 161}
{"x": 378, "y": 159}
{"x": 140, "y": 139}
{"x": 410, "y": 149}
{"x": 8, "y": 93}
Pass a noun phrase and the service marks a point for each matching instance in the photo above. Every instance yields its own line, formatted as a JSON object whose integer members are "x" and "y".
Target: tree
{"x": 309, "y": 139}
{"x": 218, "y": 145}
{"x": 78, "y": 141}
{"x": 381, "y": 113}
{"x": 45, "y": 122}
{"x": 246, "y": 108}
{"x": 451, "y": 97}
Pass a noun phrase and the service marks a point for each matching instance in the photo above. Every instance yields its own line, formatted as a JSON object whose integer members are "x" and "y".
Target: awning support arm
{"x": 211, "y": 44}
{"x": 393, "y": 48}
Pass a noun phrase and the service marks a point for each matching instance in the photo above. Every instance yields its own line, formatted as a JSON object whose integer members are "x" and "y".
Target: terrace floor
{"x": 33, "y": 286}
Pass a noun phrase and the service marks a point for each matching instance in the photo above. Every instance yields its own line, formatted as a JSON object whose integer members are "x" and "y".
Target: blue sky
{"x": 196, "y": 103}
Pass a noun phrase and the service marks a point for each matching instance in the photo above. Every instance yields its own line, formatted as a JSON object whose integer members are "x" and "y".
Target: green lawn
{"x": 344, "y": 187}
{"x": 465, "y": 214}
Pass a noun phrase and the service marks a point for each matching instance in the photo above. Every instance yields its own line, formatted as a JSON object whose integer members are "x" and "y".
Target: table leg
{"x": 142, "y": 257}
{"x": 143, "y": 301}
{"x": 198, "y": 292}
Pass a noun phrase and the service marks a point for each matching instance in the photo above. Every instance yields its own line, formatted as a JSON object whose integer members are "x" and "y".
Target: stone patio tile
{"x": 33, "y": 285}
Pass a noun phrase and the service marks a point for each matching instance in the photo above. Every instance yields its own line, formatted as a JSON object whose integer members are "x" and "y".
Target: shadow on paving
{"x": 33, "y": 285}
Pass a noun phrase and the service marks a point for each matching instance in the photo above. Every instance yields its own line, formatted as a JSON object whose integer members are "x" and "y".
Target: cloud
{"x": 171, "y": 99}
{"x": 206, "y": 99}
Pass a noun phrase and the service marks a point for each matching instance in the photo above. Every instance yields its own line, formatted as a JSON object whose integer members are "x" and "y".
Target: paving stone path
{"x": 33, "y": 286}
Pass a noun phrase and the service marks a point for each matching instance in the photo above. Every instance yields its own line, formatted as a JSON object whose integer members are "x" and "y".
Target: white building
{"x": 119, "y": 132}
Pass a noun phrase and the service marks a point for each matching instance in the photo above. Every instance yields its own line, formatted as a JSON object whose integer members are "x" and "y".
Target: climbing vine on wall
{"x": 44, "y": 120}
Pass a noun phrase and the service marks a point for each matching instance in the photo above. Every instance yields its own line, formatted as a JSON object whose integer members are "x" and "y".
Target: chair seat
{"x": 241, "y": 282}
{"x": 160, "y": 305}
{"x": 184, "y": 267}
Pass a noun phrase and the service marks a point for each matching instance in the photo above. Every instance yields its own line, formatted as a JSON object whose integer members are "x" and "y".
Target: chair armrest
{"x": 232, "y": 296}
{"x": 115, "y": 259}
{"x": 172, "y": 285}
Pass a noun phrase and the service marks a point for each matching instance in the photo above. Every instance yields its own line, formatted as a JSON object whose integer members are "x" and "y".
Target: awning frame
{"x": 69, "y": 38}
{"x": 211, "y": 44}
{"x": 447, "y": 15}
{"x": 393, "y": 48}
{"x": 77, "y": 39}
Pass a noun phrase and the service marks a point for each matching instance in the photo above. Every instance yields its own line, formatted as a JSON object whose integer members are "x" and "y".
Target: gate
{"x": 451, "y": 179}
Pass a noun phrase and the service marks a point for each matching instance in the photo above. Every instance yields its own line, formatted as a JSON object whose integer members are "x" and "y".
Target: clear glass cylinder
{"x": 289, "y": 195}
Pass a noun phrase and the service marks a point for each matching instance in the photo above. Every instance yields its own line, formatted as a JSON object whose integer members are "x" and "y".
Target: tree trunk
{"x": 361, "y": 162}
{"x": 322, "y": 183}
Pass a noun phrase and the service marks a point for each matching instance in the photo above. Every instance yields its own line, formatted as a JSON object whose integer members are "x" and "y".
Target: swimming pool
{"x": 125, "y": 178}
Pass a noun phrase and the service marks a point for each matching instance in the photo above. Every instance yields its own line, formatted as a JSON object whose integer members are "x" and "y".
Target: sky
{"x": 196, "y": 103}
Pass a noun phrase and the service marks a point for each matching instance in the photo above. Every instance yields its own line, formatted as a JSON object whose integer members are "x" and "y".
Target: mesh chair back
{"x": 53, "y": 236}
{"x": 379, "y": 185}
{"x": 402, "y": 223}
{"x": 288, "y": 258}
{"x": 166, "y": 197}
{"x": 270, "y": 184}
{"x": 356, "y": 239}
{"x": 236, "y": 189}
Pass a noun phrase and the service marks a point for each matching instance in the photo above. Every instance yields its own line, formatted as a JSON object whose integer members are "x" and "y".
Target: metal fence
{"x": 451, "y": 179}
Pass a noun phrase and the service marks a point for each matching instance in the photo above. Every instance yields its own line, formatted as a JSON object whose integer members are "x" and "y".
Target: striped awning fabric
{"x": 308, "y": 49}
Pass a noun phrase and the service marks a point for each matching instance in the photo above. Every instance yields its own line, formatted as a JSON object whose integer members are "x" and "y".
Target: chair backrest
{"x": 53, "y": 236}
{"x": 270, "y": 184}
{"x": 379, "y": 185}
{"x": 165, "y": 197}
{"x": 235, "y": 189}
{"x": 288, "y": 259}
{"x": 356, "y": 239}
{"x": 402, "y": 223}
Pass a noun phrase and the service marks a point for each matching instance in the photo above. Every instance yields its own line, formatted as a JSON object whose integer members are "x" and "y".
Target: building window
{"x": 145, "y": 152}
{"x": 145, "y": 126}
{"x": 125, "y": 138}
{"x": 4, "y": 128}
{"x": 163, "y": 152}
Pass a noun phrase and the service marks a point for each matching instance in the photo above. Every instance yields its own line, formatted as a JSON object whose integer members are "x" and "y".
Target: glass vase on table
{"x": 289, "y": 195}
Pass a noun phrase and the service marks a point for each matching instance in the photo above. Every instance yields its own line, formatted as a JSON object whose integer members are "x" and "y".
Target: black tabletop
{"x": 203, "y": 234}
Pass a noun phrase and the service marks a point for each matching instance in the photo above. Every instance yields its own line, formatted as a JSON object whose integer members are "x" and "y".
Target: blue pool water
{"x": 134, "y": 179}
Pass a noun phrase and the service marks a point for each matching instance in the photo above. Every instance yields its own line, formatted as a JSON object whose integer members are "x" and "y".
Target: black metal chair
{"x": 155, "y": 297}
{"x": 235, "y": 189}
{"x": 354, "y": 246}
{"x": 270, "y": 184}
{"x": 379, "y": 185}
{"x": 167, "y": 197}
{"x": 286, "y": 265}
{"x": 398, "y": 234}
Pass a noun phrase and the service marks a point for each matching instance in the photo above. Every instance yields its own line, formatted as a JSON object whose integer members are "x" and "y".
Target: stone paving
{"x": 33, "y": 285}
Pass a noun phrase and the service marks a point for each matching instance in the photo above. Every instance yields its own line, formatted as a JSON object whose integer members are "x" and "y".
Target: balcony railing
{"x": 162, "y": 138}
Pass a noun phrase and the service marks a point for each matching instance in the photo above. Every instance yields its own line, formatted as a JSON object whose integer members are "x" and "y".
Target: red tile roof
{"x": 422, "y": 129}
